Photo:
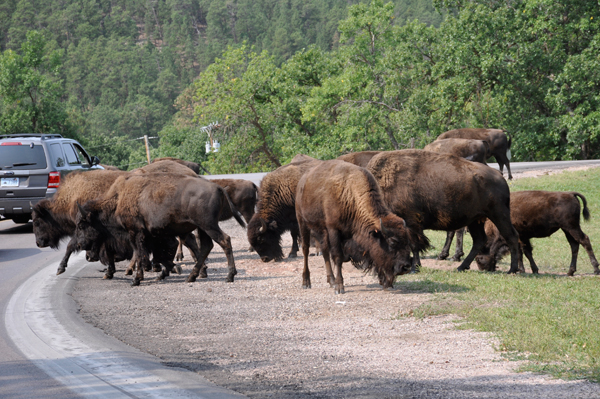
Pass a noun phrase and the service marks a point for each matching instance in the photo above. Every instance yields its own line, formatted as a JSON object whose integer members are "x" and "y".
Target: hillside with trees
{"x": 284, "y": 77}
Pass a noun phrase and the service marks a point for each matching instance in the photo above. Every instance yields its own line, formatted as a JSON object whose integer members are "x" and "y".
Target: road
{"x": 47, "y": 351}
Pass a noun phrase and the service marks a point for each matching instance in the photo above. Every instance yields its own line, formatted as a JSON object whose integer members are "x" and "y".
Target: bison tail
{"x": 236, "y": 214}
{"x": 509, "y": 138}
{"x": 586, "y": 211}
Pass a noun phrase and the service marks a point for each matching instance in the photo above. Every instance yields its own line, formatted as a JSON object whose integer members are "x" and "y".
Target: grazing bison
{"x": 360, "y": 158}
{"x": 444, "y": 192}
{"x": 149, "y": 207}
{"x": 496, "y": 138}
{"x": 54, "y": 219}
{"x": 192, "y": 165}
{"x": 471, "y": 150}
{"x": 341, "y": 205}
{"x": 537, "y": 214}
{"x": 276, "y": 211}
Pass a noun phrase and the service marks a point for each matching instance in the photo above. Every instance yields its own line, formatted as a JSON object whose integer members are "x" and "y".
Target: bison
{"x": 148, "y": 207}
{"x": 276, "y": 211}
{"x": 192, "y": 165}
{"x": 341, "y": 205}
{"x": 537, "y": 214}
{"x": 54, "y": 219}
{"x": 471, "y": 150}
{"x": 496, "y": 138}
{"x": 444, "y": 192}
{"x": 360, "y": 158}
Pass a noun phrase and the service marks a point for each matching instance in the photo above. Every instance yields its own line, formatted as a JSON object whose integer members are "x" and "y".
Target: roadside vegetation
{"x": 549, "y": 320}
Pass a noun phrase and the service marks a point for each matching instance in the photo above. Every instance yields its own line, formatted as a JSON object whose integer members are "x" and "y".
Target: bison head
{"x": 265, "y": 238}
{"x": 89, "y": 231}
{"x": 48, "y": 232}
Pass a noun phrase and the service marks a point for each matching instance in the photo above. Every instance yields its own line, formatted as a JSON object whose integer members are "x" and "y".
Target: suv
{"x": 31, "y": 169}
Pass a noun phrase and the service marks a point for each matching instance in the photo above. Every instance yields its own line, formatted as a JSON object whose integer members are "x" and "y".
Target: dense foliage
{"x": 283, "y": 77}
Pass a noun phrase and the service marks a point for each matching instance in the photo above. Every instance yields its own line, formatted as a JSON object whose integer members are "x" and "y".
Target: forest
{"x": 274, "y": 78}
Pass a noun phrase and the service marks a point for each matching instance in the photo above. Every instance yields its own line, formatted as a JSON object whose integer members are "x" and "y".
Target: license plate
{"x": 9, "y": 182}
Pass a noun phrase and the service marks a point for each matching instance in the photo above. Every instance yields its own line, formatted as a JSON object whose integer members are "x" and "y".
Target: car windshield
{"x": 19, "y": 157}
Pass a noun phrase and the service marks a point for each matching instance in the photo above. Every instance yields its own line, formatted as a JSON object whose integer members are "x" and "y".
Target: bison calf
{"x": 538, "y": 214}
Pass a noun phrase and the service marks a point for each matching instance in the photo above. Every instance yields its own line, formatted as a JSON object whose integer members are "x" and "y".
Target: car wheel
{"x": 21, "y": 218}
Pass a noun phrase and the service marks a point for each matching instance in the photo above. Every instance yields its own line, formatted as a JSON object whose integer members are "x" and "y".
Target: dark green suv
{"x": 32, "y": 167}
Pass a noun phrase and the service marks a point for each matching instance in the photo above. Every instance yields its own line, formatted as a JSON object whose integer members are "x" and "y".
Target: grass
{"x": 549, "y": 320}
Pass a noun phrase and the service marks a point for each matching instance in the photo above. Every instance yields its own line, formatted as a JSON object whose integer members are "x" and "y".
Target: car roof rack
{"x": 42, "y": 136}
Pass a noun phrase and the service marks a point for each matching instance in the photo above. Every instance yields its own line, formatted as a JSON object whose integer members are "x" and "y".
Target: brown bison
{"x": 537, "y": 214}
{"x": 471, "y": 150}
{"x": 243, "y": 194}
{"x": 444, "y": 192}
{"x": 360, "y": 158}
{"x": 192, "y": 165}
{"x": 341, "y": 205}
{"x": 496, "y": 138}
{"x": 276, "y": 211}
{"x": 54, "y": 219}
{"x": 148, "y": 207}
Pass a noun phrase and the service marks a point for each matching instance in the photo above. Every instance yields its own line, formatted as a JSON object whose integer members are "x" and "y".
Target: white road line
{"x": 90, "y": 371}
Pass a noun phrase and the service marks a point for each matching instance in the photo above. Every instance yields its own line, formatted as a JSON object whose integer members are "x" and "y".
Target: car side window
{"x": 57, "y": 155}
{"x": 72, "y": 158}
{"x": 83, "y": 156}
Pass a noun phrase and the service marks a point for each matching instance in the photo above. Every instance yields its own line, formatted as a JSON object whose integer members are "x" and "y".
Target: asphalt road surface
{"x": 47, "y": 351}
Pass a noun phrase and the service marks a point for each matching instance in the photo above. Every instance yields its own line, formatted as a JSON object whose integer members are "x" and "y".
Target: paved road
{"x": 47, "y": 351}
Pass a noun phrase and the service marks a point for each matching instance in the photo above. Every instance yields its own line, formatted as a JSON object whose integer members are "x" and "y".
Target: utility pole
{"x": 147, "y": 148}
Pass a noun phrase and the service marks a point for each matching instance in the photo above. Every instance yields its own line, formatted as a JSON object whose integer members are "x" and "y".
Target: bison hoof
{"x": 178, "y": 269}
{"x": 60, "y": 270}
{"x": 456, "y": 258}
{"x": 128, "y": 272}
{"x": 191, "y": 278}
{"x": 442, "y": 256}
{"x": 597, "y": 272}
{"x": 230, "y": 278}
{"x": 571, "y": 273}
{"x": 293, "y": 255}
{"x": 108, "y": 276}
{"x": 306, "y": 286}
{"x": 135, "y": 282}
{"x": 340, "y": 291}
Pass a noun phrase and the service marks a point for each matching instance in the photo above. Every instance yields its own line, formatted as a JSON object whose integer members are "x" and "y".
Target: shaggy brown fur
{"x": 148, "y": 206}
{"x": 472, "y": 150}
{"x": 192, "y": 165}
{"x": 496, "y": 138}
{"x": 540, "y": 214}
{"x": 342, "y": 205}
{"x": 445, "y": 192}
{"x": 275, "y": 211}
{"x": 54, "y": 219}
{"x": 361, "y": 158}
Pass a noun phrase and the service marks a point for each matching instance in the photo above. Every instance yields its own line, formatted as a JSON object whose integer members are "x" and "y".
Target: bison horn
{"x": 383, "y": 229}
{"x": 81, "y": 210}
{"x": 263, "y": 227}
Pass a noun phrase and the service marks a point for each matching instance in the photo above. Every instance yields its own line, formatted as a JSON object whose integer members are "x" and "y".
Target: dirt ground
{"x": 266, "y": 337}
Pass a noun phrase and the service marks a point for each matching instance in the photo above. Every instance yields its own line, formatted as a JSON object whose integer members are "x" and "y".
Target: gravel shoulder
{"x": 265, "y": 336}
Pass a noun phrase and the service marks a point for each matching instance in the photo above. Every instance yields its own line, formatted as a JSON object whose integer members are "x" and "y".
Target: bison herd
{"x": 369, "y": 208}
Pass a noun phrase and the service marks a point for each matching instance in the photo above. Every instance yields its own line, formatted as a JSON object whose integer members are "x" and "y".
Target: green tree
{"x": 31, "y": 90}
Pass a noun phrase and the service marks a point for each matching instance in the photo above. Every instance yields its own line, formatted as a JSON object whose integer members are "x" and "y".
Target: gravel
{"x": 264, "y": 336}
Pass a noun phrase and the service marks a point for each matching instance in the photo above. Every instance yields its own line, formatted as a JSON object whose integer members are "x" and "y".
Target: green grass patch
{"x": 550, "y": 320}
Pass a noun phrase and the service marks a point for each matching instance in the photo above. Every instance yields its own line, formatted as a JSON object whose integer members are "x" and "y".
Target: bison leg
{"x": 131, "y": 266}
{"x": 225, "y": 242}
{"x": 579, "y": 237}
{"x": 446, "y": 249}
{"x": 458, "y": 253}
{"x": 527, "y": 249}
{"x": 71, "y": 247}
{"x": 503, "y": 160}
{"x": 295, "y": 232}
{"x": 478, "y": 234}
{"x": 179, "y": 255}
{"x": 305, "y": 233}
{"x": 337, "y": 253}
{"x": 206, "y": 245}
{"x": 510, "y": 235}
{"x": 142, "y": 255}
